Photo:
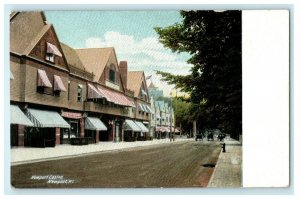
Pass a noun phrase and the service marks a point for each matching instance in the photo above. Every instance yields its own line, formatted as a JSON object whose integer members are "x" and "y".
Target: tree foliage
{"x": 213, "y": 39}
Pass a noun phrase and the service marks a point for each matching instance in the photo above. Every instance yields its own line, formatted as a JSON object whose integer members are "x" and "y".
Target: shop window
{"x": 50, "y": 57}
{"x": 79, "y": 93}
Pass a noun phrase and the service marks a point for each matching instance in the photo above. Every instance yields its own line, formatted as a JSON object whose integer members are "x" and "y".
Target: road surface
{"x": 181, "y": 164}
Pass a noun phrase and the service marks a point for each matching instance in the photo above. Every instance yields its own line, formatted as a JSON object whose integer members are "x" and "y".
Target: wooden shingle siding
{"x": 40, "y": 50}
{"x": 17, "y": 84}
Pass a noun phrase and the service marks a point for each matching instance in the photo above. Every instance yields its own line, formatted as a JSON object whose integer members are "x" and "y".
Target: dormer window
{"x": 52, "y": 50}
{"x": 112, "y": 73}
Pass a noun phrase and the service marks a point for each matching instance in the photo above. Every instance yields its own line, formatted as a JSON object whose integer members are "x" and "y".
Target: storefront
{"x": 46, "y": 130}
{"x": 144, "y": 130}
{"x": 18, "y": 124}
{"x": 131, "y": 130}
{"x": 93, "y": 126}
{"x": 75, "y": 120}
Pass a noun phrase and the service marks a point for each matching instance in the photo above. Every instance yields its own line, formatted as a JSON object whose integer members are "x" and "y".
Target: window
{"x": 79, "y": 93}
{"x": 69, "y": 90}
{"x": 50, "y": 57}
{"x": 112, "y": 77}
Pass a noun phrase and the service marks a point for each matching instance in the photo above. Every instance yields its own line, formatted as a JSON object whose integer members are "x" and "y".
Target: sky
{"x": 132, "y": 35}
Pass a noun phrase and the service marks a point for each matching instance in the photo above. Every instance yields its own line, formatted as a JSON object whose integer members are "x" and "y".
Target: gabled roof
{"x": 151, "y": 85}
{"x": 95, "y": 59}
{"x": 72, "y": 56}
{"x": 24, "y": 28}
{"x": 134, "y": 83}
{"x": 160, "y": 104}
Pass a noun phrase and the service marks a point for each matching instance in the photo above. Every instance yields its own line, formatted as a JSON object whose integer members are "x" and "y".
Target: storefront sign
{"x": 71, "y": 115}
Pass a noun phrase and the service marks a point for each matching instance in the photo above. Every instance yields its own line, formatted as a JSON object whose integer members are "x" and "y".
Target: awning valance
{"x": 18, "y": 117}
{"x": 44, "y": 119}
{"x": 58, "y": 84}
{"x": 142, "y": 127}
{"x": 53, "y": 49}
{"x": 131, "y": 126}
{"x": 43, "y": 79}
{"x": 93, "y": 123}
{"x": 93, "y": 92}
{"x": 115, "y": 97}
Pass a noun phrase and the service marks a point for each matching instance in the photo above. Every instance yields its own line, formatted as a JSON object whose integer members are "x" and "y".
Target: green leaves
{"x": 214, "y": 41}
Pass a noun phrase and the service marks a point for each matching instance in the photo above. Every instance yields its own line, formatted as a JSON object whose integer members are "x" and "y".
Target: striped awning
{"x": 93, "y": 123}
{"x": 53, "y": 49}
{"x": 149, "y": 109}
{"x": 18, "y": 117}
{"x": 46, "y": 119}
{"x": 58, "y": 84}
{"x": 142, "y": 127}
{"x": 131, "y": 126}
{"x": 93, "y": 92}
{"x": 43, "y": 79}
{"x": 162, "y": 129}
{"x": 114, "y": 97}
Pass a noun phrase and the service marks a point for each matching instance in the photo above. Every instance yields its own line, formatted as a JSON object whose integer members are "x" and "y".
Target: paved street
{"x": 179, "y": 164}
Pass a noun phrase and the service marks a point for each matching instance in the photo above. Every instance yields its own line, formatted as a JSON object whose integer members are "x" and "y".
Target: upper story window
{"x": 52, "y": 51}
{"x": 79, "y": 93}
{"x": 50, "y": 57}
{"x": 112, "y": 73}
{"x": 69, "y": 83}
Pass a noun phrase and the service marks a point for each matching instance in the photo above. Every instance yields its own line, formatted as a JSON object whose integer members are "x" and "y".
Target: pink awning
{"x": 93, "y": 93}
{"x": 43, "y": 79}
{"x": 162, "y": 129}
{"x": 115, "y": 97}
{"x": 53, "y": 49}
{"x": 58, "y": 84}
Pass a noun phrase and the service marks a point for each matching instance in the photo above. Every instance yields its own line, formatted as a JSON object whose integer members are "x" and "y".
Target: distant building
{"x": 154, "y": 91}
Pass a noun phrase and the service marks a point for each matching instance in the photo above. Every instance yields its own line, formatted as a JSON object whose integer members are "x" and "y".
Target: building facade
{"x": 61, "y": 95}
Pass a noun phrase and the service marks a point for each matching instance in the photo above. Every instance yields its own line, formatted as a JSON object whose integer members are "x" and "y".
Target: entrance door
{"x": 74, "y": 129}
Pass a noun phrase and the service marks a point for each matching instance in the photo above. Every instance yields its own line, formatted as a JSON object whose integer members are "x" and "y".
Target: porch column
{"x": 97, "y": 136}
{"x": 21, "y": 129}
{"x": 113, "y": 131}
{"x": 57, "y": 135}
{"x": 81, "y": 128}
{"x": 117, "y": 132}
{"x": 122, "y": 131}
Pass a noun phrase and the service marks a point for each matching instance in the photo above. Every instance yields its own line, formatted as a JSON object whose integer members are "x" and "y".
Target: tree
{"x": 213, "y": 39}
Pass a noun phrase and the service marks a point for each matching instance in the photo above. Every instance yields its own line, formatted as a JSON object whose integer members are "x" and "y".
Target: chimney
{"x": 123, "y": 70}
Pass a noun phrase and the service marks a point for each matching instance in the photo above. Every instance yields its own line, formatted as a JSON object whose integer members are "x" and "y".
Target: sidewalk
{"x": 22, "y": 155}
{"x": 228, "y": 170}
